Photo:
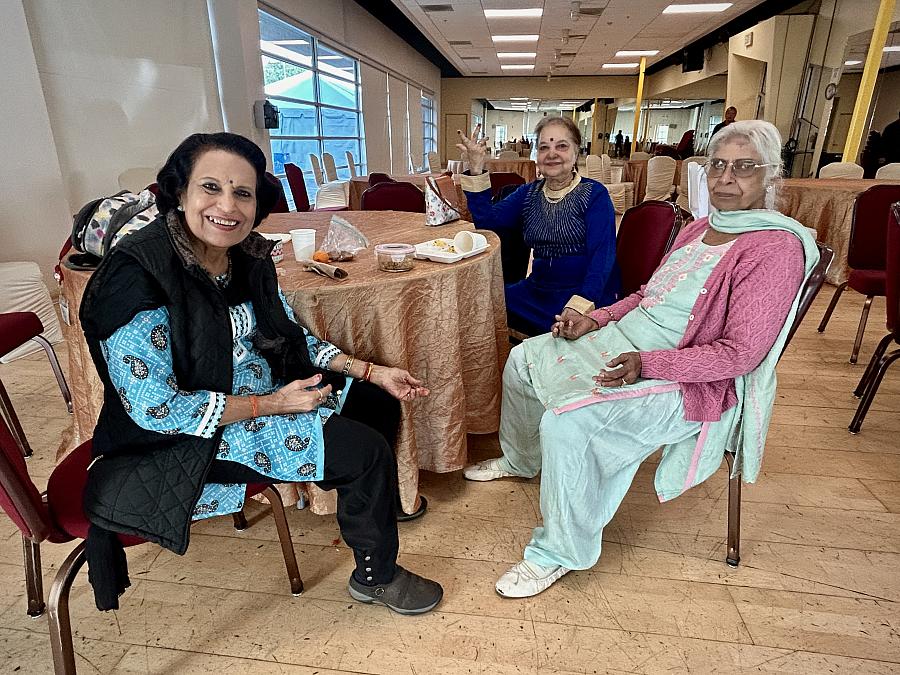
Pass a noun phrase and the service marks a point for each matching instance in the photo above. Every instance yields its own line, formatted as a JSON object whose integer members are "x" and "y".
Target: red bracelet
{"x": 254, "y": 405}
{"x": 367, "y": 376}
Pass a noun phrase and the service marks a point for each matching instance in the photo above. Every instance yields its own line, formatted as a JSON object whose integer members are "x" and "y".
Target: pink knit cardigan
{"x": 734, "y": 322}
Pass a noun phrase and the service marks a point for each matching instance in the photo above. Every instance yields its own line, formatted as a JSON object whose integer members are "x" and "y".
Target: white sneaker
{"x": 525, "y": 579}
{"x": 489, "y": 469}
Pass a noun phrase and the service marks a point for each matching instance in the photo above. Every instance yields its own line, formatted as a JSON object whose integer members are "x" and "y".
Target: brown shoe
{"x": 407, "y": 593}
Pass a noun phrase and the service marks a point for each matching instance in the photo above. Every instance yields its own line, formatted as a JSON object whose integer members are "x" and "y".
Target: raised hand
{"x": 473, "y": 149}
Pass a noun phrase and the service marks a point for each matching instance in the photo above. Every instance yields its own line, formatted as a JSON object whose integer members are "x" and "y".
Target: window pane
{"x": 337, "y": 147}
{"x": 339, "y": 122}
{"x": 296, "y": 152}
{"x": 282, "y": 39}
{"x": 286, "y": 79}
{"x": 337, "y": 92}
{"x": 335, "y": 63}
{"x": 297, "y": 119}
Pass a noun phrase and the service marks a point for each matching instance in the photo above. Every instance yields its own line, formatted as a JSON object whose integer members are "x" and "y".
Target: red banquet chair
{"x": 281, "y": 205}
{"x": 298, "y": 186}
{"x": 646, "y": 233}
{"x": 501, "y": 179}
{"x": 866, "y": 255}
{"x": 393, "y": 196}
{"x": 17, "y": 328}
{"x": 377, "y": 177}
{"x": 880, "y": 362}
{"x": 57, "y": 517}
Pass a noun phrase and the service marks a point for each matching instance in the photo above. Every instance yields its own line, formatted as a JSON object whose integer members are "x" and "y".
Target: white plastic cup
{"x": 304, "y": 243}
{"x": 466, "y": 242}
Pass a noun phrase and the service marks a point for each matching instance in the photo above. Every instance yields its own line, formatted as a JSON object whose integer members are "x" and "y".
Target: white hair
{"x": 766, "y": 141}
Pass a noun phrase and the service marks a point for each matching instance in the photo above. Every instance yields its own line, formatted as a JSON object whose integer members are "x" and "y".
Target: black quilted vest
{"x": 146, "y": 483}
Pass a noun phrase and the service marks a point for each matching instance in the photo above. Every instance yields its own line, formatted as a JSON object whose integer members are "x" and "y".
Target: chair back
{"x": 868, "y": 231}
{"x": 893, "y": 272}
{"x": 647, "y": 231}
{"x": 841, "y": 170}
{"x": 19, "y": 497}
{"x": 501, "y": 179}
{"x": 317, "y": 169}
{"x": 393, "y": 196}
{"x": 605, "y": 169}
{"x": 683, "y": 201}
{"x": 593, "y": 168}
{"x": 434, "y": 161}
{"x": 376, "y": 178}
{"x": 810, "y": 289}
{"x": 298, "y": 186}
{"x": 351, "y": 163}
{"x": 330, "y": 167}
{"x": 889, "y": 171}
{"x": 686, "y": 144}
{"x": 281, "y": 205}
{"x": 640, "y": 155}
{"x": 660, "y": 176}
{"x": 508, "y": 154}
{"x": 514, "y": 253}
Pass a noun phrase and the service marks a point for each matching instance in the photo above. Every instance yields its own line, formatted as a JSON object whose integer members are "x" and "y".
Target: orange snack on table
{"x": 321, "y": 256}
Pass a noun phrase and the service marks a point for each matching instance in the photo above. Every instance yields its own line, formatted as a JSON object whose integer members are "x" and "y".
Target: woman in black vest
{"x": 210, "y": 383}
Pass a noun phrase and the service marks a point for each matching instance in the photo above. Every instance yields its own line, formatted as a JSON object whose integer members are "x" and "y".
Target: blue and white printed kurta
{"x": 282, "y": 447}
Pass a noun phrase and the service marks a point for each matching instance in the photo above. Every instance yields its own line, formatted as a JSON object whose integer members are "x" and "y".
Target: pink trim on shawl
{"x": 695, "y": 460}
{"x": 617, "y": 395}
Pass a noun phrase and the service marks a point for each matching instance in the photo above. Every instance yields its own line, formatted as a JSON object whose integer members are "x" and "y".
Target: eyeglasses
{"x": 740, "y": 168}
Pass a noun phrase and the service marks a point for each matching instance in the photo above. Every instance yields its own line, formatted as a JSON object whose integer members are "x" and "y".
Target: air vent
{"x": 436, "y": 8}
{"x": 479, "y": 72}
{"x": 590, "y": 11}
{"x": 460, "y": 43}
{"x": 470, "y": 58}
{"x": 568, "y": 53}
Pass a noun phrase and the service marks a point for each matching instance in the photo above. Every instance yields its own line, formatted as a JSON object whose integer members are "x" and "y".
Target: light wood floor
{"x": 818, "y": 589}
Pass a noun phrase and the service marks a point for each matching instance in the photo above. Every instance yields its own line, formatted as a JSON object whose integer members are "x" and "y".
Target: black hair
{"x": 174, "y": 175}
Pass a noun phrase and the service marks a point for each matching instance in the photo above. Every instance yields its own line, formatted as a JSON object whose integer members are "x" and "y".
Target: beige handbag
{"x": 438, "y": 209}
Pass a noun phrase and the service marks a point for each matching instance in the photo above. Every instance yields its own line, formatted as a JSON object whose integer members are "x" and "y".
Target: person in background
{"x": 890, "y": 141}
{"x": 686, "y": 363}
{"x": 730, "y": 117}
{"x": 620, "y": 143}
{"x": 567, "y": 220}
{"x": 627, "y": 150}
{"x": 210, "y": 383}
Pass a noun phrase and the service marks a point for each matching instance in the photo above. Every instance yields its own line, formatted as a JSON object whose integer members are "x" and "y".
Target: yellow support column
{"x": 595, "y": 142}
{"x": 867, "y": 83}
{"x": 637, "y": 104}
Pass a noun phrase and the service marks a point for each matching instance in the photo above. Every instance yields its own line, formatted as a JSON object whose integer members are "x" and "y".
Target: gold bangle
{"x": 254, "y": 405}
{"x": 347, "y": 365}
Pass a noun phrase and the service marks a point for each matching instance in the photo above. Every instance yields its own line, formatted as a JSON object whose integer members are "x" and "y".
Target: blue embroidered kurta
{"x": 574, "y": 245}
{"x": 284, "y": 447}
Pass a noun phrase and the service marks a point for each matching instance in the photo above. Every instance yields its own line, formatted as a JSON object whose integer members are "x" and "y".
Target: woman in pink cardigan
{"x": 686, "y": 363}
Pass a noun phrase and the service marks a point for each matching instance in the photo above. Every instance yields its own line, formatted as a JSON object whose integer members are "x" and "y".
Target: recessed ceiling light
{"x": 518, "y": 98}
{"x": 518, "y": 66}
{"x": 516, "y": 55}
{"x": 637, "y": 52}
{"x": 852, "y": 63}
{"x": 514, "y": 13}
{"x": 621, "y": 65}
{"x": 697, "y": 8}
{"x": 515, "y": 38}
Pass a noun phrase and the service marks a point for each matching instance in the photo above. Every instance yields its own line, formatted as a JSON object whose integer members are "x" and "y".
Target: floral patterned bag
{"x": 438, "y": 209}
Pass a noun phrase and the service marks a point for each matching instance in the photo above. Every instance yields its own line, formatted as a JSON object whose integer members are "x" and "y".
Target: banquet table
{"x": 359, "y": 184}
{"x": 635, "y": 171}
{"x": 527, "y": 168}
{"x": 826, "y": 205}
{"x": 445, "y": 323}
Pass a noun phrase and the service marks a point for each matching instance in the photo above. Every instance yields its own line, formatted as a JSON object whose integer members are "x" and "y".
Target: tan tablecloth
{"x": 359, "y": 185}
{"x": 826, "y": 205}
{"x": 444, "y": 323}
{"x": 527, "y": 168}
{"x": 635, "y": 171}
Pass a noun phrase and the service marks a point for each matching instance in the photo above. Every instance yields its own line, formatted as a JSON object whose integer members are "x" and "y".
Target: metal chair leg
{"x": 34, "y": 582}
{"x": 284, "y": 536}
{"x": 58, "y": 613}
{"x": 54, "y": 364}
{"x": 873, "y": 365}
{"x": 733, "y": 555}
{"x": 9, "y": 414}
{"x": 871, "y": 390}
{"x": 240, "y": 521}
{"x": 862, "y": 328}
{"x": 831, "y": 305}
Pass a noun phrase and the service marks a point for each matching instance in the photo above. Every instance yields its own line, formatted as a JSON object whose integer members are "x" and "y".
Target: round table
{"x": 445, "y": 323}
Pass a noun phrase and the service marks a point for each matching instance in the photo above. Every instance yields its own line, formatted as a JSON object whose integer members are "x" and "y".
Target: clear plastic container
{"x": 395, "y": 257}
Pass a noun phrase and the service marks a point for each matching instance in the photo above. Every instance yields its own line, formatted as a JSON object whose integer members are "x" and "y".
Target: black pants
{"x": 360, "y": 465}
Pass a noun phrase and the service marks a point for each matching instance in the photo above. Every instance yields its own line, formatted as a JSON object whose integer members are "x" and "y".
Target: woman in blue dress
{"x": 210, "y": 383}
{"x": 567, "y": 220}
